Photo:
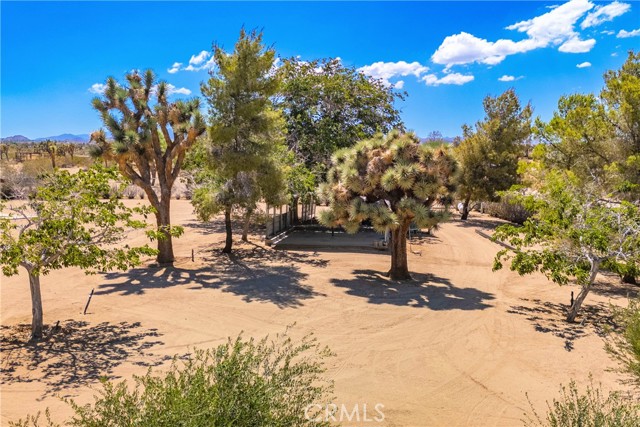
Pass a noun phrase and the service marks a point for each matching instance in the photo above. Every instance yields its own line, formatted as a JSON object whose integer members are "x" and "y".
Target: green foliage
{"x": 66, "y": 223}
{"x": 588, "y": 409}
{"x": 241, "y": 164}
{"x": 599, "y": 136}
{"x": 393, "y": 181}
{"x": 240, "y": 383}
{"x": 150, "y": 138}
{"x": 489, "y": 155}
{"x": 573, "y": 233}
{"x": 329, "y": 106}
{"x": 625, "y": 347}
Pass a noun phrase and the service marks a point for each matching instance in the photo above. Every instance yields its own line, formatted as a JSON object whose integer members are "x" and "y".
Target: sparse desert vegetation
{"x": 280, "y": 250}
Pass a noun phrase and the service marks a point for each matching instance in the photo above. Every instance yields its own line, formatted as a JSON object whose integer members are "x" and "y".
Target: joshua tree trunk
{"x": 399, "y": 266}
{"x": 575, "y": 308}
{"x": 36, "y": 306}
{"x": 465, "y": 209}
{"x": 163, "y": 221}
{"x": 245, "y": 226}
{"x": 53, "y": 160}
{"x": 227, "y": 225}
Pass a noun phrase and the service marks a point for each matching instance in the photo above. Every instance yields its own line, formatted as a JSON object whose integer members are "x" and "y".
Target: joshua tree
{"x": 148, "y": 140}
{"x": 392, "y": 180}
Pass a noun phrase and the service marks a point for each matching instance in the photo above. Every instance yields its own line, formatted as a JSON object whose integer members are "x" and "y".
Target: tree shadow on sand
{"x": 425, "y": 290}
{"x": 549, "y": 317}
{"x": 255, "y": 274}
{"x": 74, "y": 353}
{"x": 480, "y": 222}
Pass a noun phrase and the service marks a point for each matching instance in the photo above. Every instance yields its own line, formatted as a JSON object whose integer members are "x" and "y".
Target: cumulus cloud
{"x": 584, "y": 65}
{"x": 199, "y": 58}
{"x": 554, "y": 28}
{"x": 507, "y": 78}
{"x": 399, "y": 84}
{"x": 174, "y": 68}
{"x": 388, "y": 70}
{"x": 575, "y": 45}
{"x": 98, "y": 88}
{"x": 623, "y": 34}
{"x": 450, "y": 79}
{"x": 608, "y": 32}
{"x": 172, "y": 90}
{"x": 604, "y": 14}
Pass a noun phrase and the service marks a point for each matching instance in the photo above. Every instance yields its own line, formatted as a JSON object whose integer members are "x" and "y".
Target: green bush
{"x": 240, "y": 383}
{"x": 625, "y": 346}
{"x": 591, "y": 409}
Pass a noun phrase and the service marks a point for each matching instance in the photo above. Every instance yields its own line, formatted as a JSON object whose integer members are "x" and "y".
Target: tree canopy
{"x": 393, "y": 181}
{"x": 150, "y": 138}
{"x": 64, "y": 224}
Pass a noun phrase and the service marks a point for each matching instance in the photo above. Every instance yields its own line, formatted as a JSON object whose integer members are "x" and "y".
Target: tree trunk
{"x": 227, "y": 225}
{"x": 465, "y": 209}
{"x": 399, "y": 266}
{"x": 245, "y": 226}
{"x": 36, "y": 306}
{"x": 294, "y": 210}
{"x": 575, "y": 308}
{"x": 53, "y": 160}
{"x": 163, "y": 220}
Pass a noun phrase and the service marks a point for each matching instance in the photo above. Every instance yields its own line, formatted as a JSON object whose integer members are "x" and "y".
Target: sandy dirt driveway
{"x": 457, "y": 346}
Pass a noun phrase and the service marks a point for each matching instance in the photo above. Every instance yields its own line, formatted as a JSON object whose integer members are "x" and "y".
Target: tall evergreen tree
{"x": 150, "y": 138}
{"x": 489, "y": 155}
{"x": 246, "y": 132}
{"x": 392, "y": 180}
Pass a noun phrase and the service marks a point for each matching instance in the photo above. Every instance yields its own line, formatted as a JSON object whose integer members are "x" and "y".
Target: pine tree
{"x": 246, "y": 133}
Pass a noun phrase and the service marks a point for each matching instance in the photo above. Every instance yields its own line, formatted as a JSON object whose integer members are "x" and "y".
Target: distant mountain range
{"x": 83, "y": 138}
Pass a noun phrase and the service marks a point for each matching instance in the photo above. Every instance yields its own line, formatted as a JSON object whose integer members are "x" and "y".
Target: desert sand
{"x": 457, "y": 346}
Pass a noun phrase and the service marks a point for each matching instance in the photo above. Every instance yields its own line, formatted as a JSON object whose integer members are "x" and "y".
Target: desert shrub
{"x": 589, "y": 409}
{"x": 131, "y": 192}
{"x": 628, "y": 271}
{"x": 507, "y": 210}
{"x": 14, "y": 183}
{"x": 243, "y": 382}
{"x": 625, "y": 346}
{"x": 37, "y": 167}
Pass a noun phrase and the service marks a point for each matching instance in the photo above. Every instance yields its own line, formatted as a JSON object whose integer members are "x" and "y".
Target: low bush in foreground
{"x": 240, "y": 383}
{"x": 588, "y": 409}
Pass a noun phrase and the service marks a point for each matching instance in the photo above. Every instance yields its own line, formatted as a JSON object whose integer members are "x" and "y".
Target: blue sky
{"x": 448, "y": 55}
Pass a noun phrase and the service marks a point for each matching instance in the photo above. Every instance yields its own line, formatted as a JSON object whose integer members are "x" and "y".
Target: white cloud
{"x": 507, "y": 78}
{"x": 174, "y": 68}
{"x": 584, "y": 65}
{"x": 449, "y": 79}
{"x": 614, "y": 54}
{"x": 604, "y": 14}
{"x": 608, "y": 32}
{"x": 554, "y": 28}
{"x": 199, "y": 58}
{"x": 575, "y": 45}
{"x": 98, "y": 88}
{"x": 172, "y": 90}
{"x": 387, "y": 70}
{"x": 399, "y": 84}
{"x": 623, "y": 34}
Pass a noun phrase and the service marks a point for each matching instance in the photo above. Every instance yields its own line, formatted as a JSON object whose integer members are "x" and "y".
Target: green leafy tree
{"x": 489, "y": 155}
{"x": 393, "y": 181}
{"x": 64, "y": 224}
{"x": 328, "y": 106}
{"x": 150, "y": 139}
{"x": 573, "y": 232}
{"x": 246, "y": 133}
